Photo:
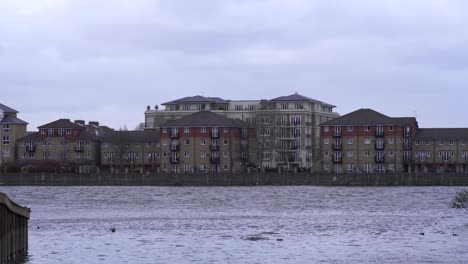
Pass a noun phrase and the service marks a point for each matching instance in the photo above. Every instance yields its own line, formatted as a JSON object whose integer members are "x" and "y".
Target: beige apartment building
{"x": 288, "y": 127}
{"x": 11, "y": 128}
{"x": 131, "y": 151}
{"x": 368, "y": 141}
{"x": 441, "y": 150}
{"x": 204, "y": 142}
{"x": 63, "y": 145}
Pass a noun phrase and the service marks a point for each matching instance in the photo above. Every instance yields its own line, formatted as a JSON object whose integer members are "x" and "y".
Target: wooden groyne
{"x": 13, "y": 230}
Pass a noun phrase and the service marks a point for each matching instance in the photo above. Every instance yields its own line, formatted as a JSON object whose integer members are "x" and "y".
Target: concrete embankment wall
{"x": 13, "y": 230}
{"x": 252, "y": 179}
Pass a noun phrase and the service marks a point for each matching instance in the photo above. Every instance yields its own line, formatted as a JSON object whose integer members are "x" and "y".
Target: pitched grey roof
{"x": 364, "y": 117}
{"x": 442, "y": 133}
{"x": 62, "y": 123}
{"x": 198, "y": 99}
{"x": 124, "y": 137}
{"x": 298, "y": 98}
{"x": 204, "y": 119}
{"x": 7, "y": 109}
{"x": 13, "y": 120}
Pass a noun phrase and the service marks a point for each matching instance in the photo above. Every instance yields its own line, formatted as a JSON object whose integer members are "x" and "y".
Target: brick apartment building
{"x": 368, "y": 141}
{"x": 204, "y": 142}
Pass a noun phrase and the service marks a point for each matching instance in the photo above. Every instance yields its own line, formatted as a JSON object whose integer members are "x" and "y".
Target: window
{"x": 367, "y": 141}
{"x": 44, "y": 143}
{"x": 50, "y": 142}
{"x": 390, "y": 128}
{"x": 367, "y": 168}
{"x": 350, "y": 141}
{"x": 349, "y": 128}
{"x": 148, "y": 144}
{"x": 68, "y": 131}
{"x": 338, "y": 168}
{"x": 226, "y": 154}
{"x": 226, "y": 142}
{"x": 390, "y": 153}
{"x": 326, "y": 141}
{"x": 31, "y": 154}
{"x": 6, "y": 128}
{"x": 350, "y": 154}
{"x": 164, "y": 130}
{"x": 61, "y": 131}
{"x": 367, "y": 153}
{"x": 186, "y": 130}
{"x": 203, "y": 142}
{"x": 187, "y": 142}
{"x": 238, "y": 107}
{"x": 6, "y": 140}
{"x": 380, "y": 168}
{"x": 226, "y": 130}
{"x": 451, "y": 141}
{"x": 203, "y": 154}
{"x": 284, "y": 106}
{"x": 164, "y": 154}
{"x": 391, "y": 141}
{"x": 326, "y": 167}
{"x": 87, "y": 143}
{"x": 6, "y": 152}
{"x": 50, "y": 132}
{"x": 417, "y": 142}
{"x": 326, "y": 153}
{"x": 67, "y": 143}
{"x": 187, "y": 168}
{"x": 428, "y": 142}
{"x": 88, "y": 155}
{"x": 226, "y": 167}
{"x": 43, "y": 131}
{"x": 326, "y": 128}
{"x": 203, "y": 168}
{"x": 366, "y": 128}
{"x": 186, "y": 154}
{"x": 203, "y": 129}
{"x": 350, "y": 167}
{"x": 441, "y": 142}
{"x": 164, "y": 142}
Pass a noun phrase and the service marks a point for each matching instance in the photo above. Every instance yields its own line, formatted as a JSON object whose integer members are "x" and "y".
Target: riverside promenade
{"x": 249, "y": 179}
{"x": 13, "y": 230}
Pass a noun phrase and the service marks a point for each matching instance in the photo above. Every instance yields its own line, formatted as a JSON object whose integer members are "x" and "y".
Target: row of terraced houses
{"x": 212, "y": 135}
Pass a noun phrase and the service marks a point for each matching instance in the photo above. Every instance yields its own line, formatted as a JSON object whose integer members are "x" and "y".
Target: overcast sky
{"x": 107, "y": 60}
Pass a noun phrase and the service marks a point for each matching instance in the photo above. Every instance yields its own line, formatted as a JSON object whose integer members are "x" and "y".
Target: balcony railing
{"x": 337, "y": 160}
{"x": 379, "y": 159}
{"x": 214, "y": 160}
{"x": 337, "y": 134}
{"x": 407, "y": 146}
{"x": 214, "y": 134}
{"x": 175, "y": 135}
{"x": 337, "y": 146}
{"x": 380, "y": 146}
{"x": 379, "y": 134}
{"x": 174, "y": 160}
{"x": 79, "y": 148}
{"x": 214, "y": 147}
{"x": 295, "y": 160}
{"x": 175, "y": 147}
{"x": 31, "y": 148}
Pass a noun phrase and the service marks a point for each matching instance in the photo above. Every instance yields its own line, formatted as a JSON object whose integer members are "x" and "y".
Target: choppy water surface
{"x": 244, "y": 225}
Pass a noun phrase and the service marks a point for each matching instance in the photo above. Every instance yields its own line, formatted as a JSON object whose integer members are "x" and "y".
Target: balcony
{"x": 214, "y": 147}
{"x": 379, "y": 159}
{"x": 174, "y": 160}
{"x": 175, "y": 135}
{"x": 214, "y": 134}
{"x": 295, "y": 160}
{"x": 379, "y": 134}
{"x": 337, "y": 160}
{"x": 308, "y": 135}
{"x": 337, "y": 134}
{"x": 31, "y": 148}
{"x": 79, "y": 148}
{"x": 337, "y": 146}
{"x": 214, "y": 160}
{"x": 406, "y": 146}
{"x": 380, "y": 146}
{"x": 130, "y": 160}
{"x": 175, "y": 147}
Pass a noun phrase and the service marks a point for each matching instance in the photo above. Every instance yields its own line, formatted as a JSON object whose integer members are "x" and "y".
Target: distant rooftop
{"x": 297, "y": 98}
{"x": 204, "y": 119}
{"x": 367, "y": 116}
{"x": 12, "y": 120}
{"x": 198, "y": 99}
{"x": 7, "y": 109}
{"x": 442, "y": 133}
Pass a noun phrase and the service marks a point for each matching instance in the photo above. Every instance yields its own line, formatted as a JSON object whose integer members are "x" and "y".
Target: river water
{"x": 244, "y": 224}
